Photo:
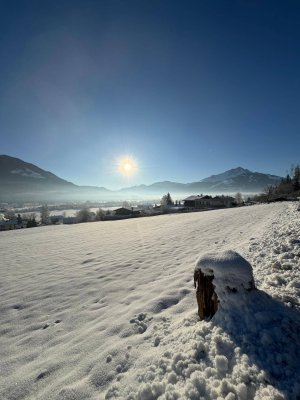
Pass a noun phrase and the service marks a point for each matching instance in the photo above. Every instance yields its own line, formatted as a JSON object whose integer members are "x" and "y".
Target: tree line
{"x": 287, "y": 188}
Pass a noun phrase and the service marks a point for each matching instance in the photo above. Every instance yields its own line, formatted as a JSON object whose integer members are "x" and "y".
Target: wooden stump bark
{"x": 206, "y": 296}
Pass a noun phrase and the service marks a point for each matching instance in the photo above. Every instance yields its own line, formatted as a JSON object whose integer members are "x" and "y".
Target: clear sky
{"x": 187, "y": 88}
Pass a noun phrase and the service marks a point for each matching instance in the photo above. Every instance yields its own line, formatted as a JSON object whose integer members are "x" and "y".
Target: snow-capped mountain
{"x": 22, "y": 181}
{"x": 234, "y": 180}
{"x": 14, "y": 170}
{"x": 230, "y": 174}
{"x": 240, "y": 179}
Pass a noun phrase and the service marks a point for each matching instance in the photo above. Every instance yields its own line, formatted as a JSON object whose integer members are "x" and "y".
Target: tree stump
{"x": 207, "y": 298}
{"x": 222, "y": 280}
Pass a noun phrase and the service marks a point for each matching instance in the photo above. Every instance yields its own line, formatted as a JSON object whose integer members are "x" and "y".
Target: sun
{"x": 127, "y": 166}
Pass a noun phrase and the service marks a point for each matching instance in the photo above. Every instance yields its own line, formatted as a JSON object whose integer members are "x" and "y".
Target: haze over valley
{"x": 22, "y": 181}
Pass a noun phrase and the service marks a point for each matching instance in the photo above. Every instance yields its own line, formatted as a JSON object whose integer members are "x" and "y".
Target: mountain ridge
{"x": 233, "y": 180}
{"x": 22, "y": 180}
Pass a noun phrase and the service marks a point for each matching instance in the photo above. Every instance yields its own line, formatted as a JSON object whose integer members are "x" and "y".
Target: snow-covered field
{"x": 108, "y": 309}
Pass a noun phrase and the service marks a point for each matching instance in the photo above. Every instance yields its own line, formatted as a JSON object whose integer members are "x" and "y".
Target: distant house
{"x": 56, "y": 219}
{"x": 127, "y": 212}
{"x": 8, "y": 225}
{"x": 208, "y": 202}
{"x": 250, "y": 203}
{"x": 192, "y": 201}
{"x": 69, "y": 220}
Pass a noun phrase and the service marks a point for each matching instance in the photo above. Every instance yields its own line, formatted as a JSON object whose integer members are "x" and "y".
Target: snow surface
{"x": 107, "y": 310}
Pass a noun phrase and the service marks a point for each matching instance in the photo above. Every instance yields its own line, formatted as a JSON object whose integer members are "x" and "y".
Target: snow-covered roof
{"x": 193, "y": 197}
{"x": 207, "y": 197}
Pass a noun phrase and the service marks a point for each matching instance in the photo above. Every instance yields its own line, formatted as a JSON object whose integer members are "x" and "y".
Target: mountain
{"x": 15, "y": 171}
{"x": 238, "y": 179}
{"x": 165, "y": 186}
{"x": 234, "y": 180}
{"x": 22, "y": 181}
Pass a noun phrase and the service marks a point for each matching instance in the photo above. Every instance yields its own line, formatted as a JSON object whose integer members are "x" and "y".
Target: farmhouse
{"x": 208, "y": 202}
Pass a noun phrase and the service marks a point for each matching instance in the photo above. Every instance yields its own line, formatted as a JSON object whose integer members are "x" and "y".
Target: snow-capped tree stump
{"x": 207, "y": 298}
{"x": 217, "y": 277}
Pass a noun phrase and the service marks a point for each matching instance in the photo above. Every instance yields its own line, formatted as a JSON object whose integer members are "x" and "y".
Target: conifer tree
{"x": 166, "y": 200}
{"x": 296, "y": 178}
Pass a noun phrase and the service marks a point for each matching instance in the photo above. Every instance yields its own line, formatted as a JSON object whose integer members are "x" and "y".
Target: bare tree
{"x": 99, "y": 214}
{"x": 239, "y": 198}
{"x": 84, "y": 215}
{"x": 126, "y": 204}
{"x": 269, "y": 191}
{"x": 45, "y": 215}
{"x": 10, "y": 214}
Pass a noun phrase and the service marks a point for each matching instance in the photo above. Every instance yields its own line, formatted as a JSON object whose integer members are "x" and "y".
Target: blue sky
{"x": 187, "y": 88}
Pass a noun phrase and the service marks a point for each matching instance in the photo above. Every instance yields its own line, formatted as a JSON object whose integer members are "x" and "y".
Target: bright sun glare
{"x": 127, "y": 166}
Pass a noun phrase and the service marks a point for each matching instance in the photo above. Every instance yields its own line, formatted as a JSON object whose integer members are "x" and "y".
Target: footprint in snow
{"x": 57, "y": 321}
{"x": 89, "y": 260}
{"x": 18, "y": 306}
{"x": 42, "y": 375}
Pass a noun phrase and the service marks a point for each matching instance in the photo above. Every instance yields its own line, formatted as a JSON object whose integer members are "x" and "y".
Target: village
{"x": 11, "y": 218}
